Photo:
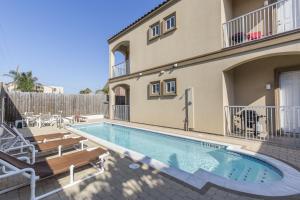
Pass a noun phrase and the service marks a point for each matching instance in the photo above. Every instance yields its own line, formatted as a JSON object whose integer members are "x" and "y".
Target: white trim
{"x": 155, "y": 30}
{"x": 169, "y": 19}
{"x": 288, "y": 185}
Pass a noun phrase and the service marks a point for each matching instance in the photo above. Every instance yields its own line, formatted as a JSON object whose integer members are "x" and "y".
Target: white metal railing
{"x": 272, "y": 19}
{"x": 120, "y": 69}
{"x": 262, "y": 122}
{"x": 121, "y": 112}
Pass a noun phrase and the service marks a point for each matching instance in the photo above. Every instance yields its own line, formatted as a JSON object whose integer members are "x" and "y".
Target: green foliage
{"x": 85, "y": 91}
{"x": 26, "y": 82}
{"x": 105, "y": 90}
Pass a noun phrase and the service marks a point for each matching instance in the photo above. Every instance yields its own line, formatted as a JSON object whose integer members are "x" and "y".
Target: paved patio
{"x": 120, "y": 182}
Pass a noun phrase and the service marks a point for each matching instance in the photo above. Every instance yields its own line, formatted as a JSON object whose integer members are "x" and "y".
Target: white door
{"x": 289, "y": 84}
{"x": 288, "y": 15}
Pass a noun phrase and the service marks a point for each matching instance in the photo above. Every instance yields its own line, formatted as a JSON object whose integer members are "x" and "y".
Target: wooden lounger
{"x": 60, "y": 145}
{"x": 54, "y": 145}
{"x": 46, "y": 137}
{"x": 53, "y": 167}
{"x": 38, "y": 138}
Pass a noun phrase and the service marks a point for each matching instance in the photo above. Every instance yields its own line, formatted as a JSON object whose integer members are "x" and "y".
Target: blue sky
{"x": 63, "y": 42}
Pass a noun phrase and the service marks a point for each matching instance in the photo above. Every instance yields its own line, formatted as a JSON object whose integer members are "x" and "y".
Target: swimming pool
{"x": 190, "y": 156}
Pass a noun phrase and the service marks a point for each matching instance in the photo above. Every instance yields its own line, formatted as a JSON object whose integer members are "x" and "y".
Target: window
{"x": 155, "y": 30}
{"x": 170, "y": 22}
{"x": 170, "y": 87}
{"x": 155, "y": 88}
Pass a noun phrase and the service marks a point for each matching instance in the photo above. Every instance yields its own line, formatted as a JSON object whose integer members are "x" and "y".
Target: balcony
{"x": 120, "y": 69}
{"x": 263, "y": 122}
{"x": 270, "y": 20}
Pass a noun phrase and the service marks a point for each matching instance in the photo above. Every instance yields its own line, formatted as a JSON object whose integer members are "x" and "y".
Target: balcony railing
{"x": 120, "y": 69}
{"x": 121, "y": 112}
{"x": 263, "y": 122}
{"x": 267, "y": 21}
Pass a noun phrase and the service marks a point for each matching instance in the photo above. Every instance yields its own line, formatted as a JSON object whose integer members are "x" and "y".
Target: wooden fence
{"x": 17, "y": 103}
{"x": 1, "y": 103}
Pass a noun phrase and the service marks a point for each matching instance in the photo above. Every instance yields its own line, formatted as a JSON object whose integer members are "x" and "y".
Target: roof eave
{"x": 142, "y": 19}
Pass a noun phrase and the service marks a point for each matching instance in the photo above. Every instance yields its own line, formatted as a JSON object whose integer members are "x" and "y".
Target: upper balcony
{"x": 271, "y": 19}
{"x": 120, "y": 69}
{"x": 120, "y": 54}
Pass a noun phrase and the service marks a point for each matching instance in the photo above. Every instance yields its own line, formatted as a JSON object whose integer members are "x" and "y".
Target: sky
{"x": 64, "y": 42}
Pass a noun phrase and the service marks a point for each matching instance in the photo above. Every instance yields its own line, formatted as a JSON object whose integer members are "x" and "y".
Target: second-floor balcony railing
{"x": 267, "y": 21}
{"x": 120, "y": 69}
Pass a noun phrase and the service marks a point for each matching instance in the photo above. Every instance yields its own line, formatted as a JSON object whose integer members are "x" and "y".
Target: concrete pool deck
{"x": 288, "y": 185}
{"x": 120, "y": 182}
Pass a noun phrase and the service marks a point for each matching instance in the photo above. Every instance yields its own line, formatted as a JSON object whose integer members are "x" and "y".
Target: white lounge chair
{"x": 30, "y": 118}
{"x": 46, "y": 120}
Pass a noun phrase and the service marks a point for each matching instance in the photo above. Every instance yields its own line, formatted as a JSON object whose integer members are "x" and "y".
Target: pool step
{"x": 247, "y": 174}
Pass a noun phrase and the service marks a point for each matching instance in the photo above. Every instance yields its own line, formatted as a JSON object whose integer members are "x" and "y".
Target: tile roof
{"x": 138, "y": 20}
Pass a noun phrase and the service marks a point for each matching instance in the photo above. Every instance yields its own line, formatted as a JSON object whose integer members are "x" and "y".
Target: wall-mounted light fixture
{"x": 140, "y": 74}
{"x": 162, "y": 72}
{"x": 175, "y": 65}
{"x": 268, "y": 86}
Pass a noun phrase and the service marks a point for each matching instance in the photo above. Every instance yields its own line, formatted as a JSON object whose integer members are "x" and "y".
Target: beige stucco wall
{"x": 210, "y": 94}
{"x": 198, "y": 32}
{"x": 249, "y": 80}
{"x": 241, "y": 7}
{"x": 214, "y": 85}
{"x": 226, "y": 10}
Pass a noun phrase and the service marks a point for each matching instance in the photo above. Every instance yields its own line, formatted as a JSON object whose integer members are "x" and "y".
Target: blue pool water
{"x": 185, "y": 154}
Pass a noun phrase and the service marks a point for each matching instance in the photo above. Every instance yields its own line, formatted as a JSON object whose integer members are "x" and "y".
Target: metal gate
{"x": 121, "y": 112}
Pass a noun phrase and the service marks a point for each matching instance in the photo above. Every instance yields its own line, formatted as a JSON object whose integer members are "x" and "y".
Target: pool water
{"x": 185, "y": 154}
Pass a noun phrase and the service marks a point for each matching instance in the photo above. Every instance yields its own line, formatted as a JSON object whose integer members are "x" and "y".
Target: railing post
{"x": 121, "y": 112}
{"x": 243, "y": 24}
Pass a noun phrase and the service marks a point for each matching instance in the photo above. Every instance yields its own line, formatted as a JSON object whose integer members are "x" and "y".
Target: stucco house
{"x": 228, "y": 67}
{"x": 12, "y": 86}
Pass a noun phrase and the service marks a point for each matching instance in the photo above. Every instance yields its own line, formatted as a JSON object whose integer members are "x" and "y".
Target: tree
{"x": 23, "y": 81}
{"x": 105, "y": 89}
{"x": 85, "y": 91}
{"x": 26, "y": 82}
{"x": 14, "y": 74}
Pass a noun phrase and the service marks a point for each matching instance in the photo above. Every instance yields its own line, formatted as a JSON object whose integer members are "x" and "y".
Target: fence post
{"x": 2, "y": 98}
